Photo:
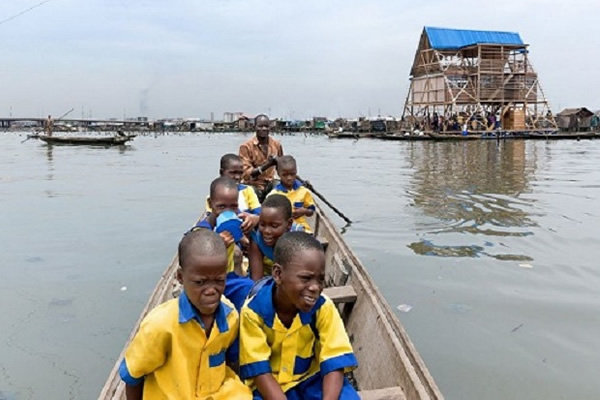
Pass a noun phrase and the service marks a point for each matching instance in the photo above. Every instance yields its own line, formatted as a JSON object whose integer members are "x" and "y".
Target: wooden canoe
{"x": 85, "y": 140}
{"x": 389, "y": 365}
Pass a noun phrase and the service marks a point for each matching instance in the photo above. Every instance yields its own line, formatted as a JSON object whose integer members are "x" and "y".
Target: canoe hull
{"x": 83, "y": 140}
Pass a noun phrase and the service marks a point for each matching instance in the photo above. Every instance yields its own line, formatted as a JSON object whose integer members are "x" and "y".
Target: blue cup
{"x": 228, "y": 221}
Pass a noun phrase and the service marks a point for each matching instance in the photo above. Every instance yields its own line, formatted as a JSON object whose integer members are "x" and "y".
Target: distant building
{"x": 230, "y": 117}
{"x": 575, "y": 119}
{"x": 476, "y": 77}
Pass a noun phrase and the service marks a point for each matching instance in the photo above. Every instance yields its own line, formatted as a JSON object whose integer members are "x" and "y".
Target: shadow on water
{"x": 475, "y": 192}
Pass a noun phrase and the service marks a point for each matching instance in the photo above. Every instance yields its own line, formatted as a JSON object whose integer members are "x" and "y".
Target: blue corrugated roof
{"x": 451, "y": 39}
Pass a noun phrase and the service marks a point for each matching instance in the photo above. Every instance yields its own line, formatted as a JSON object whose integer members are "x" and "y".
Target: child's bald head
{"x": 201, "y": 243}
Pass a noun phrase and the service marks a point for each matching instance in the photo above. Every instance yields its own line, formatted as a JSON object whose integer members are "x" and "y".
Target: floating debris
{"x": 459, "y": 308}
{"x": 516, "y": 328}
{"x": 404, "y": 308}
{"x": 59, "y": 303}
{"x": 123, "y": 288}
{"x": 528, "y": 266}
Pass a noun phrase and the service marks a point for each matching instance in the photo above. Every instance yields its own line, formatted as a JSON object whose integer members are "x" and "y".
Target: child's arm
{"x": 134, "y": 392}
{"x": 332, "y": 385}
{"x": 255, "y": 258}
{"x": 269, "y": 388}
{"x": 301, "y": 211}
{"x": 309, "y": 204}
{"x": 336, "y": 355}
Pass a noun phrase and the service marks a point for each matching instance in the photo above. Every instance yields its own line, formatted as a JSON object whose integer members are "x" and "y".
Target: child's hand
{"x": 299, "y": 212}
{"x": 227, "y": 238}
{"x": 249, "y": 221}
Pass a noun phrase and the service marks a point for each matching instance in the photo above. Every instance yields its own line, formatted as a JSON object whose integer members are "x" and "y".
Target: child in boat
{"x": 292, "y": 339}
{"x": 302, "y": 201}
{"x": 275, "y": 220}
{"x": 224, "y": 197}
{"x": 180, "y": 350}
{"x": 232, "y": 167}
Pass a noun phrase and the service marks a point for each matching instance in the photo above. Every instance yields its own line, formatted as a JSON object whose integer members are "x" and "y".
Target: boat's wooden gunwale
{"x": 413, "y": 376}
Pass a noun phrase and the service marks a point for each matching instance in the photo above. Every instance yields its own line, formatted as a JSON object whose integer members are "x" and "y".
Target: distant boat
{"x": 119, "y": 139}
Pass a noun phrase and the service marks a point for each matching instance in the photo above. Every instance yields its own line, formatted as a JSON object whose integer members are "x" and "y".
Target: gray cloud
{"x": 298, "y": 59}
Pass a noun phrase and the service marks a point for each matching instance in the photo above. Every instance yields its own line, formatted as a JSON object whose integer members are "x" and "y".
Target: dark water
{"x": 494, "y": 248}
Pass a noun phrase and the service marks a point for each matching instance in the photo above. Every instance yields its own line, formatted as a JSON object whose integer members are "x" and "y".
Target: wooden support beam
{"x": 341, "y": 294}
{"x": 390, "y": 393}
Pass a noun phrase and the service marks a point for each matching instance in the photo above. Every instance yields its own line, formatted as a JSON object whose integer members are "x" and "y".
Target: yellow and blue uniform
{"x": 299, "y": 196}
{"x": 266, "y": 250}
{"x": 300, "y": 356}
{"x": 174, "y": 359}
{"x": 247, "y": 200}
{"x": 204, "y": 224}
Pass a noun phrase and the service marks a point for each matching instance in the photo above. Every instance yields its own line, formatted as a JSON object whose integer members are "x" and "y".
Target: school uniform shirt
{"x": 299, "y": 196}
{"x": 266, "y": 250}
{"x": 204, "y": 224}
{"x": 173, "y": 357}
{"x": 316, "y": 341}
{"x": 247, "y": 200}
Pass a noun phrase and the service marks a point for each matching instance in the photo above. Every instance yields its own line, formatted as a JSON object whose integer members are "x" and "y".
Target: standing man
{"x": 48, "y": 125}
{"x": 258, "y": 155}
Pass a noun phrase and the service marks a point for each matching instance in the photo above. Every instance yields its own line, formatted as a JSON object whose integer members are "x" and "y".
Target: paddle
{"x": 310, "y": 187}
{"x": 36, "y": 134}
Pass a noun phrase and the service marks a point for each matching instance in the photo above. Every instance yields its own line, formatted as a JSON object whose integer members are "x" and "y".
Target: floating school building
{"x": 483, "y": 79}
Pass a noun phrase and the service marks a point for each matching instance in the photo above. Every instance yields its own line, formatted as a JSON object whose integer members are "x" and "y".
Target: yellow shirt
{"x": 315, "y": 342}
{"x": 175, "y": 359}
{"x": 299, "y": 196}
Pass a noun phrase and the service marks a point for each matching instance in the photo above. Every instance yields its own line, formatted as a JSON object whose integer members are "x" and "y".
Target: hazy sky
{"x": 293, "y": 59}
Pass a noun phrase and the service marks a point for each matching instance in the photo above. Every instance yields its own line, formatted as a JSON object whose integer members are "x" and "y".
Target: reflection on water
{"x": 451, "y": 186}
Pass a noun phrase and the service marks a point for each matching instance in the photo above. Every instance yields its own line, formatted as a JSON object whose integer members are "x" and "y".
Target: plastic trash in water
{"x": 123, "y": 288}
{"x": 404, "y": 307}
{"x": 528, "y": 266}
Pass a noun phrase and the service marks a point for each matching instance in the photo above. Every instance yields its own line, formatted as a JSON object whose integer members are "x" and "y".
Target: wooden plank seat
{"x": 341, "y": 294}
{"x": 390, "y": 393}
{"x": 324, "y": 242}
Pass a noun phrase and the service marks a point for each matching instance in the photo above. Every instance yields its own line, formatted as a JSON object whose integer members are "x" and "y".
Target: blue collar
{"x": 204, "y": 224}
{"x": 188, "y": 312}
{"x": 241, "y": 187}
{"x": 282, "y": 188}
{"x": 262, "y": 304}
{"x": 267, "y": 251}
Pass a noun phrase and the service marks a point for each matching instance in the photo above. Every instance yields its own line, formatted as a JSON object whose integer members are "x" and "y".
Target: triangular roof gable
{"x": 580, "y": 112}
{"x": 454, "y": 39}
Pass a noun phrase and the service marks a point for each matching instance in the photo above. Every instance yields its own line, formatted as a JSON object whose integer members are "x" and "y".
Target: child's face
{"x": 287, "y": 175}
{"x": 224, "y": 199}
{"x": 203, "y": 279}
{"x": 272, "y": 224}
{"x": 302, "y": 279}
{"x": 234, "y": 170}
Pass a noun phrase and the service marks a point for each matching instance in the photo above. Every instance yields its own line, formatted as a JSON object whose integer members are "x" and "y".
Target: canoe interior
{"x": 389, "y": 364}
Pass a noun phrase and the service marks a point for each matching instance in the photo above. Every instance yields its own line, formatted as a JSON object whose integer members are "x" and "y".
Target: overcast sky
{"x": 292, "y": 59}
